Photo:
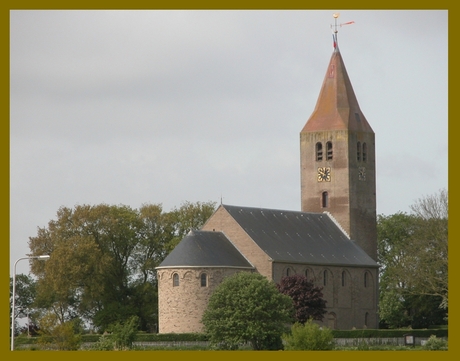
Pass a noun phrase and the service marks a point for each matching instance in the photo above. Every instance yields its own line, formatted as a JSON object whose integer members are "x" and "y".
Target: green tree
{"x": 428, "y": 270}
{"x": 308, "y": 337}
{"x": 247, "y": 308}
{"x": 103, "y": 259}
{"x": 394, "y": 236}
{"x": 392, "y": 310}
{"x": 187, "y": 217}
{"x": 412, "y": 251}
{"x": 25, "y": 293}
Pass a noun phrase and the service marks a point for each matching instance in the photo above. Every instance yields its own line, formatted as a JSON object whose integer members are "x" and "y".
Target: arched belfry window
{"x": 324, "y": 200}
{"x": 358, "y": 151}
{"x": 204, "y": 280}
{"x": 319, "y": 151}
{"x": 175, "y": 280}
{"x": 329, "y": 151}
{"x": 364, "y": 152}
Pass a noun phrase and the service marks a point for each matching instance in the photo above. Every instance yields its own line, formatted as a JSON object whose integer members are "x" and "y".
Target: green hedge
{"x": 93, "y": 337}
{"x": 369, "y": 333}
{"x": 24, "y": 340}
{"x": 375, "y": 333}
{"x": 170, "y": 337}
{"x": 140, "y": 337}
{"x": 153, "y": 337}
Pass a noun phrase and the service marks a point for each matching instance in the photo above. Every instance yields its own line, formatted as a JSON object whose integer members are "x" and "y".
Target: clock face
{"x": 324, "y": 174}
{"x": 362, "y": 173}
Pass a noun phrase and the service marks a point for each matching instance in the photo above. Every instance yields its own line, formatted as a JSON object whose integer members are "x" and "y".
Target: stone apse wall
{"x": 181, "y": 306}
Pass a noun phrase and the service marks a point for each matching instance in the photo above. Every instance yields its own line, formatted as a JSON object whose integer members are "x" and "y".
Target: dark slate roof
{"x": 299, "y": 237}
{"x": 205, "y": 249}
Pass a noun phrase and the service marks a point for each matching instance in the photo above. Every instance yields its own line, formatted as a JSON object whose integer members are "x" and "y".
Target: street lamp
{"x": 44, "y": 257}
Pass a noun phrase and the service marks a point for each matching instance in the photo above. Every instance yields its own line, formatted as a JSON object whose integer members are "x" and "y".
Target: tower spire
{"x": 337, "y": 157}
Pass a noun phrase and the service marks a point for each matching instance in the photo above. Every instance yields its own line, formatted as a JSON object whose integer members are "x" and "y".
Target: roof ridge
{"x": 269, "y": 209}
{"x": 234, "y": 245}
{"x": 337, "y": 224}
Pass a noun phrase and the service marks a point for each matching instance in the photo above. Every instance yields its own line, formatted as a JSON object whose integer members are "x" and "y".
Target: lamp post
{"x": 14, "y": 293}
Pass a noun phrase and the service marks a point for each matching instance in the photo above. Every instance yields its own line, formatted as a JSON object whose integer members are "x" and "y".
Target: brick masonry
{"x": 351, "y": 301}
{"x": 351, "y": 304}
{"x": 181, "y": 307}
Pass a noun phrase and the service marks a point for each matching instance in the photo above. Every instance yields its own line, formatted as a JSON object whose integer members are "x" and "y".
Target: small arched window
{"x": 319, "y": 151}
{"x": 204, "y": 280}
{"x": 288, "y": 272}
{"x": 329, "y": 151}
{"x": 332, "y": 321}
{"x": 306, "y": 274}
{"x": 344, "y": 279}
{"x": 364, "y": 152}
{"x": 325, "y": 280}
{"x": 324, "y": 200}
{"x": 366, "y": 319}
{"x": 366, "y": 279}
{"x": 358, "y": 151}
{"x": 175, "y": 280}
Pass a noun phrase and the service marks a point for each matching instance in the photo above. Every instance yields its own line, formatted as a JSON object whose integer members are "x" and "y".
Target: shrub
{"x": 66, "y": 338}
{"x": 435, "y": 344}
{"x": 105, "y": 343}
{"x": 63, "y": 336}
{"x": 246, "y": 308}
{"x": 308, "y": 337}
{"x": 123, "y": 334}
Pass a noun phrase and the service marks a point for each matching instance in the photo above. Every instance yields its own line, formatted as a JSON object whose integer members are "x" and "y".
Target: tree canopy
{"x": 25, "y": 294}
{"x": 103, "y": 259}
{"x": 412, "y": 251}
{"x": 307, "y": 298}
{"x": 247, "y": 308}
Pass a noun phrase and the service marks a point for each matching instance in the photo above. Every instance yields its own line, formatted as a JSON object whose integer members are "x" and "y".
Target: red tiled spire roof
{"x": 337, "y": 107}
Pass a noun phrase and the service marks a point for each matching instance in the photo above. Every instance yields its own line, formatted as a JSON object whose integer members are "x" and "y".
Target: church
{"x": 332, "y": 240}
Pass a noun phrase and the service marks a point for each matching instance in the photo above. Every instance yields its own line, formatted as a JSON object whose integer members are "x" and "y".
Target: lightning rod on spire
{"x": 335, "y": 31}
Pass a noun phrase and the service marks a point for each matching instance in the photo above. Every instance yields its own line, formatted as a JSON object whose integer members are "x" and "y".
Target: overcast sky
{"x": 133, "y": 107}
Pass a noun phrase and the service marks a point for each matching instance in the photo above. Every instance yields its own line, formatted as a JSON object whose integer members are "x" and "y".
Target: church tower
{"x": 337, "y": 158}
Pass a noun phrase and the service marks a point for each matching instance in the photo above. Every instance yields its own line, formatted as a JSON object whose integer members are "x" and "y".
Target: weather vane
{"x": 335, "y": 31}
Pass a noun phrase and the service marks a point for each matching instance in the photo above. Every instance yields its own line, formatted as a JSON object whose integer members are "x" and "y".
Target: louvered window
{"x": 319, "y": 151}
{"x": 329, "y": 151}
